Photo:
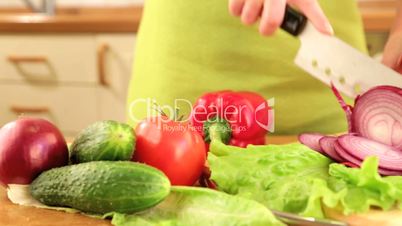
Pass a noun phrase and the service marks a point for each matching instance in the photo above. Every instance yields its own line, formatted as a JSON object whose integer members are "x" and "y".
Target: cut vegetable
{"x": 327, "y": 145}
{"x": 386, "y": 172}
{"x": 346, "y": 108}
{"x": 350, "y": 165}
{"x": 359, "y": 148}
{"x": 345, "y": 155}
{"x": 311, "y": 140}
{"x": 377, "y": 115}
{"x": 354, "y": 162}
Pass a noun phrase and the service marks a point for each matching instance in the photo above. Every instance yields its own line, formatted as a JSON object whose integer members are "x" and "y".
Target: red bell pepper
{"x": 247, "y": 114}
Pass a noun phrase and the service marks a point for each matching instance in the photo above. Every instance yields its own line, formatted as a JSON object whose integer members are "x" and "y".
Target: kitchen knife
{"x": 331, "y": 60}
{"x": 293, "y": 219}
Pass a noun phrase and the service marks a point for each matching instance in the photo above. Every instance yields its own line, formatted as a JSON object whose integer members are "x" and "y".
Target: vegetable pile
{"x": 144, "y": 176}
{"x": 105, "y": 175}
{"x": 375, "y": 129}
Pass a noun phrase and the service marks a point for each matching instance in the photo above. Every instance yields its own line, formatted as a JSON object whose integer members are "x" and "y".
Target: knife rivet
{"x": 357, "y": 88}
{"x": 328, "y": 71}
{"x": 314, "y": 63}
{"x": 342, "y": 80}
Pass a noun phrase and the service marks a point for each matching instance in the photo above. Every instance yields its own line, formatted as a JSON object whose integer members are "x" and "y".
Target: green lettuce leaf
{"x": 364, "y": 188}
{"x": 293, "y": 178}
{"x": 187, "y": 206}
{"x": 279, "y": 176}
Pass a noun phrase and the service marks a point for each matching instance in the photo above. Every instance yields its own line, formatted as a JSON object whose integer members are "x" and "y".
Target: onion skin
{"x": 346, "y": 107}
{"x": 377, "y": 115}
{"x": 28, "y": 147}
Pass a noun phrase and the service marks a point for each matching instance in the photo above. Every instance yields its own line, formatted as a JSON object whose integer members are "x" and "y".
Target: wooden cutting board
{"x": 372, "y": 218}
{"x": 15, "y": 215}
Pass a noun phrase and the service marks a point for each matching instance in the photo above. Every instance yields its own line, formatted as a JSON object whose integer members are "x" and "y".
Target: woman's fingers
{"x": 248, "y": 10}
{"x": 272, "y": 13}
{"x": 314, "y": 13}
{"x": 393, "y": 52}
{"x": 236, "y": 7}
{"x": 272, "y": 16}
{"x": 251, "y": 11}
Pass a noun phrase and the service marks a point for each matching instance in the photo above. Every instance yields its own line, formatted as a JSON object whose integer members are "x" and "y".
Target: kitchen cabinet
{"x": 378, "y": 17}
{"x": 117, "y": 66}
{"x": 54, "y": 58}
{"x": 70, "y": 107}
{"x": 70, "y": 79}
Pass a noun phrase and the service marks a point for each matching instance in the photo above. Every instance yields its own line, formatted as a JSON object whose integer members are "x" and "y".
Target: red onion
{"x": 311, "y": 140}
{"x": 346, "y": 108}
{"x": 355, "y": 149}
{"x": 386, "y": 172}
{"x": 28, "y": 147}
{"x": 327, "y": 144}
{"x": 381, "y": 171}
{"x": 377, "y": 115}
{"x": 345, "y": 156}
{"x": 350, "y": 165}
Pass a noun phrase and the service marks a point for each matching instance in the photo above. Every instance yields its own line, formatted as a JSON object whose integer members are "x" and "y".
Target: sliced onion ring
{"x": 311, "y": 140}
{"x": 354, "y": 148}
{"x": 386, "y": 172}
{"x": 377, "y": 115}
{"x": 346, "y": 156}
{"x": 327, "y": 146}
{"x": 350, "y": 165}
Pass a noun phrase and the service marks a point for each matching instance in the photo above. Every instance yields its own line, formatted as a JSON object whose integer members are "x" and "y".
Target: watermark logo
{"x": 264, "y": 114}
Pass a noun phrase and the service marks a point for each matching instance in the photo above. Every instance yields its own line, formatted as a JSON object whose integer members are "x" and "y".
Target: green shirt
{"x": 186, "y": 48}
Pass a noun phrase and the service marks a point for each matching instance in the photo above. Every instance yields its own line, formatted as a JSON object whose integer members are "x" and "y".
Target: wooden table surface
{"x": 15, "y": 215}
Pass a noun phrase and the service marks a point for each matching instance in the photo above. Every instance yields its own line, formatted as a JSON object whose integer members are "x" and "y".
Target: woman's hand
{"x": 271, "y": 13}
{"x": 393, "y": 52}
{"x": 393, "y": 49}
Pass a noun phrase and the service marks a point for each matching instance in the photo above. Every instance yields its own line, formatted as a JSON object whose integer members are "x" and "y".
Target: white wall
{"x": 14, "y": 3}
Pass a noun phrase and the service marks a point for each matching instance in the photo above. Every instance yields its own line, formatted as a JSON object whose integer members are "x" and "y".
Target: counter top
{"x": 109, "y": 20}
{"x": 378, "y": 16}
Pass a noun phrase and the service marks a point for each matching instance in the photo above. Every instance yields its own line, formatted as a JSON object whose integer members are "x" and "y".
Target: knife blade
{"x": 294, "y": 219}
{"x": 331, "y": 60}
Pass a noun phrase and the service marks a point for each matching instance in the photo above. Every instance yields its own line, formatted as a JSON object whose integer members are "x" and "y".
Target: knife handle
{"x": 293, "y": 22}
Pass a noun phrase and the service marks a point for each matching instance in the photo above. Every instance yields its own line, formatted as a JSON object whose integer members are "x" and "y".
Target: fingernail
{"x": 329, "y": 29}
{"x": 399, "y": 62}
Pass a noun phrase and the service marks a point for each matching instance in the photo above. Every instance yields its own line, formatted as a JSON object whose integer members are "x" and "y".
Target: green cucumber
{"x": 102, "y": 187}
{"x": 104, "y": 141}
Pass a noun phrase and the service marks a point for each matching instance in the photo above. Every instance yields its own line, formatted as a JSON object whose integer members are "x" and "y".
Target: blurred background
{"x": 70, "y": 60}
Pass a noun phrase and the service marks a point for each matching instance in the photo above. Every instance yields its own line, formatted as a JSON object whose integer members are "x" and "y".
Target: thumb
{"x": 392, "y": 56}
{"x": 315, "y": 14}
